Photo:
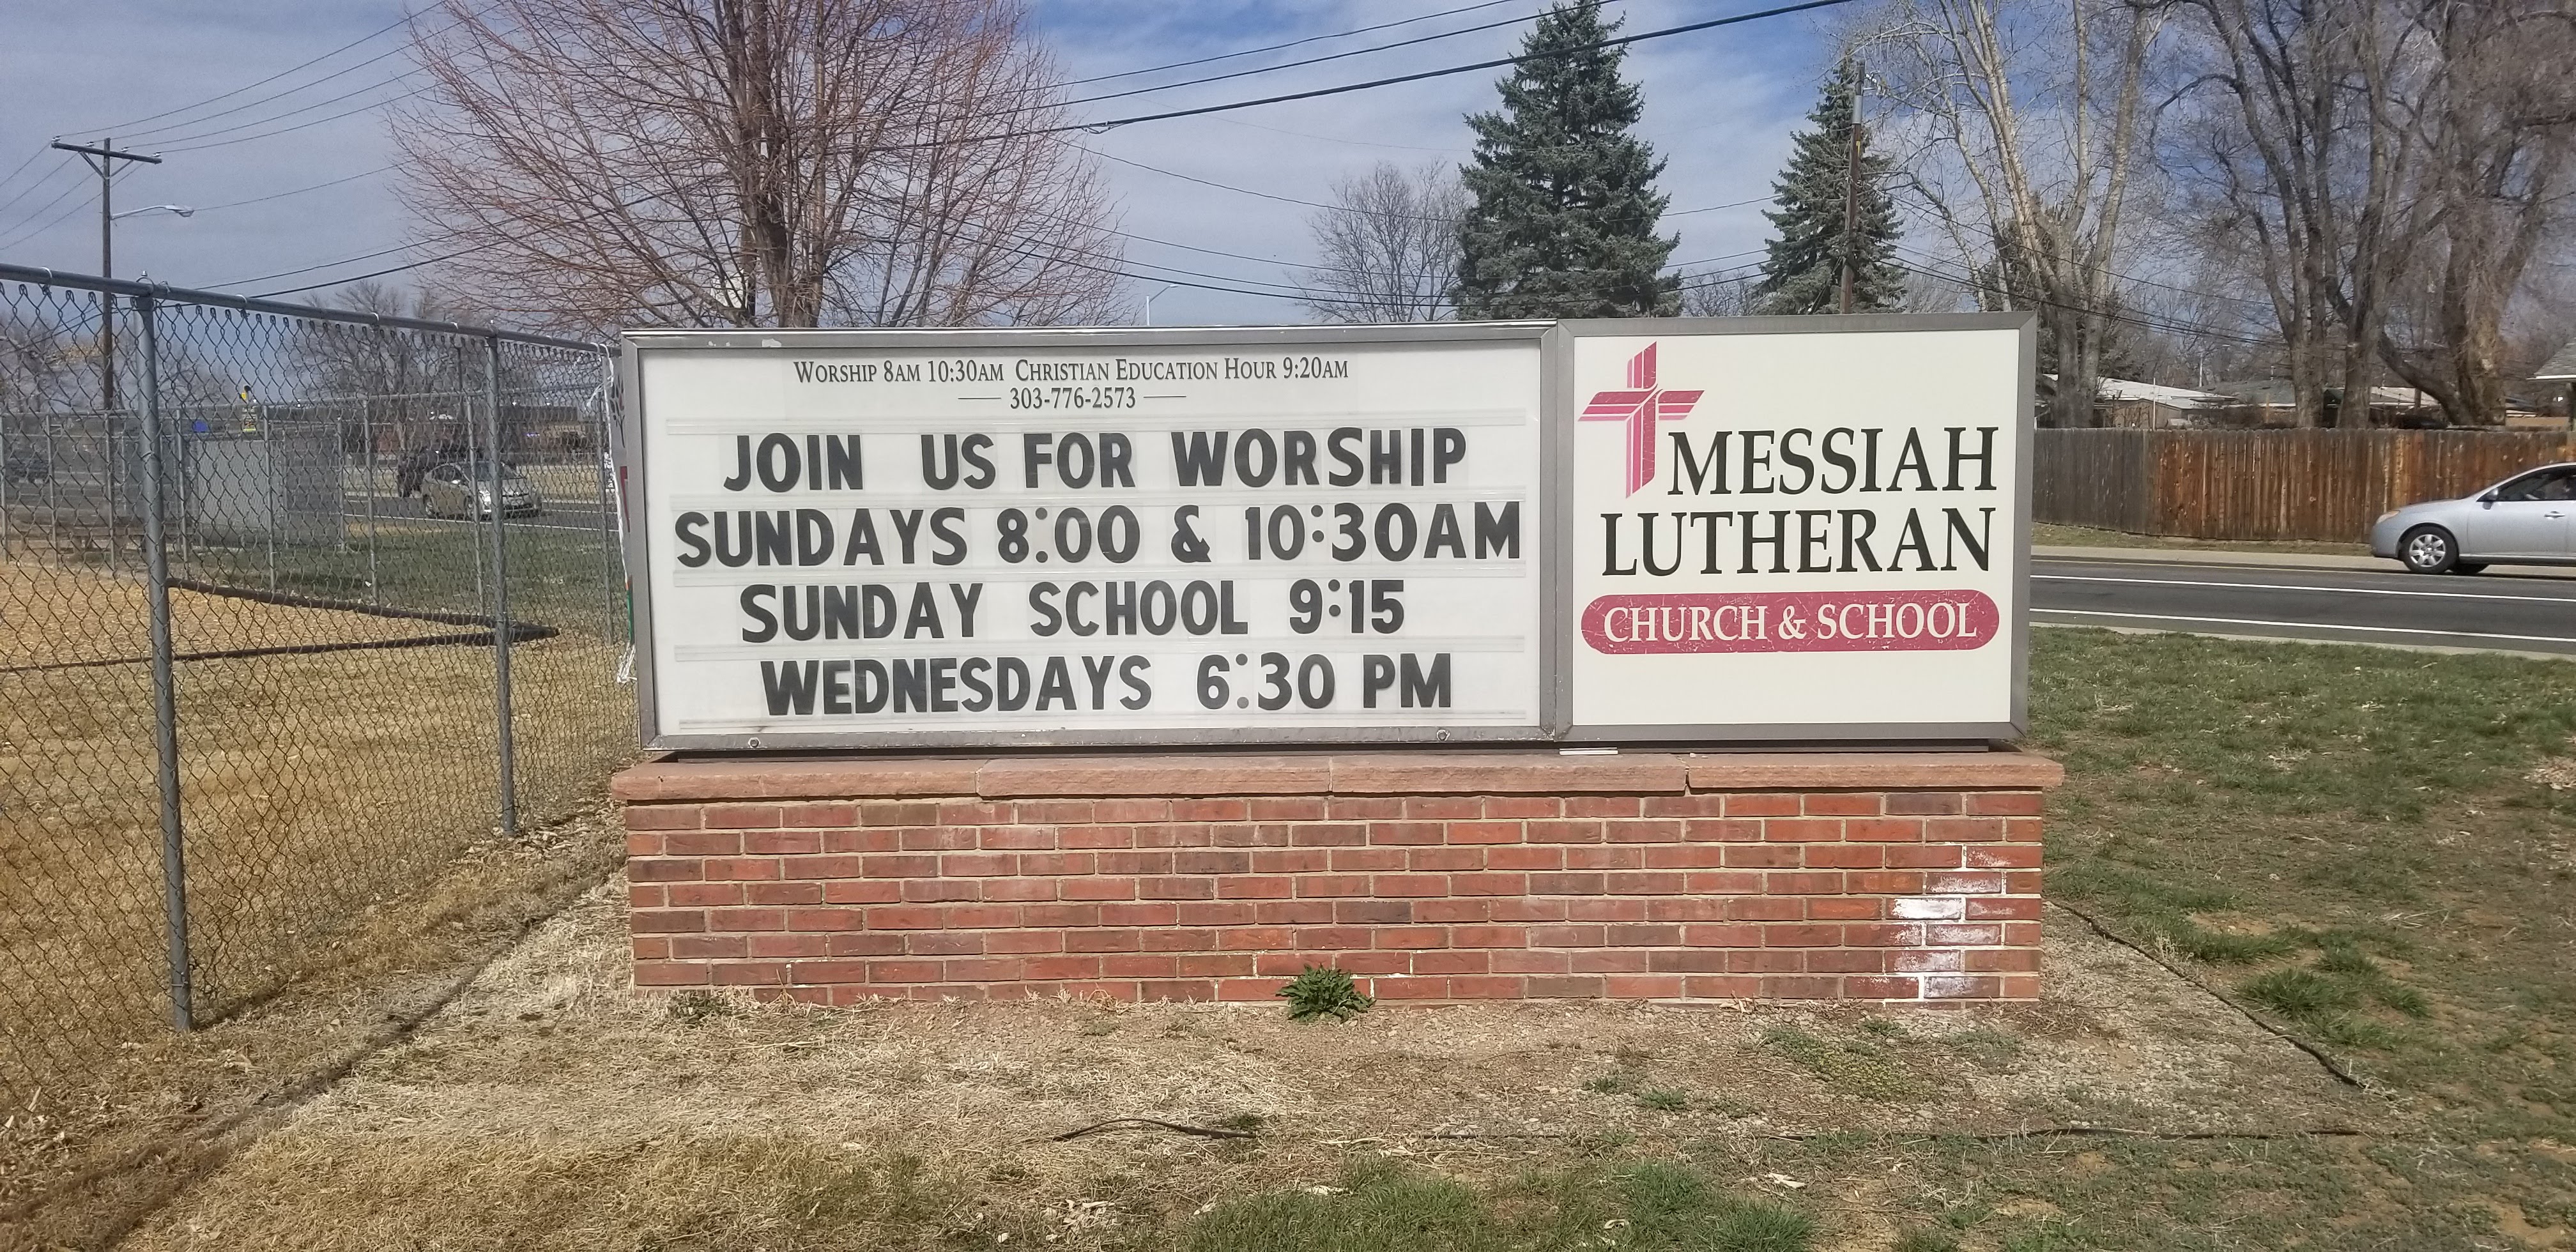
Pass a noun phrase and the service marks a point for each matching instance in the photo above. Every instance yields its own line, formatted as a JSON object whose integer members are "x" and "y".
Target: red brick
{"x": 1328, "y": 834}
{"x": 1366, "y": 860}
{"x": 2003, "y": 803}
{"x": 941, "y": 890}
{"x": 747, "y": 919}
{"x": 1844, "y": 908}
{"x": 1763, "y": 856}
{"x": 1604, "y": 806}
{"x": 703, "y": 843}
{"x": 662, "y": 817}
{"x": 1332, "y": 885}
{"x": 1686, "y": 806}
{"x": 1447, "y": 860}
{"x": 893, "y": 865}
{"x": 1014, "y": 838}
{"x": 1961, "y": 987}
{"x": 740, "y": 816}
{"x": 1471, "y": 911}
{"x": 1722, "y": 830}
{"x": 1363, "y": 808}
{"x": 1627, "y": 961}
{"x": 1578, "y": 831}
{"x": 1407, "y": 833}
{"x": 1444, "y": 808}
{"x": 2003, "y": 856}
{"x": 1644, "y": 935}
{"x": 1518, "y": 808}
{"x": 1884, "y": 882}
{"x": 782, "y": 842}
{"x": 1883, "y": 934}
{"x": 1530, "y": 961}
{"x": 1803, "y": 883}
{"x": 787, "y": 946}
{"x": 846, "y": 892}
{"x": 1210, "y": 811}
{"x": 1883, "y": 987}
{"x": 943, "y": 943}
{"x": 1846, "y": 961}
{"x": 1962, "y": 936}
{"x": 671, "y": 974}
{"x": 2022, "y": 829}
{"x": 1803, "y": 829}
{"x": 1923, "y": 803}
{"x": 1105, "y": 941}
{"x": 751, "y": 973}
{"x": 1884, "y": 830}
{"x": 1605, "y": 857}
{"x": 1729, "y": 936}
{"x": 1844, "y": 856}
{"x": 1489, "y": 936}
{"x": 1721, "y": 987}
{"x": 1095, "y": 837}
{"x": 1731, "y": 882}
{"x": 1292, "y": 861}
{"x": 1687, "y": 961}
{"x": 1024, "y": 941}
{"x": 1057, "y": 968}
{"x": 1288, "y": 809}
{"x": 1761, "y": 805}
{"x": 1372, "y": 913}
{"x": 1487, "y": 987}
{"x": 1643, "y": 830}
{"x": 1923, "y": 856}
{"x": 1485, "y": 832}
{"x": 667, "y": 922}
{"x": 1098, "y": 889}
{"x": 1605, "y": 910}
{"x": 2003, "y": 961}
{"x": 1844, "y": 804}
{"x": 818, "y": 816}
{"x": 974, "y": 813}
{"x": 1766, "y": 909}
{"x": 643, "y": 844}
{"x": 1141, "y": 913}
{"x": 864, "y": 943}
{"x": 1564, "y": 986}
{"x": 1140, "y": 965}
{"x": 1568, "y": 884}
{"x": 700, "y": 895}
{"x": 1256, "y": 887}
{"x": 861, "y": 841}
{"x": 1794, "y": 987}
{"x": 647, "y": 895}
{"x": 2003, "y": 908}
{"x": 708, "y": 947}
{"x": 903, "y": 917}
{"x": 1645, "y": 986}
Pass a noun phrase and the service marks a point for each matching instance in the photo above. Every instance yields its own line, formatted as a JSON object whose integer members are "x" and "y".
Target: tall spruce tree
{"x": 1565, "y": 209}
{"x": 1804, "y": 269}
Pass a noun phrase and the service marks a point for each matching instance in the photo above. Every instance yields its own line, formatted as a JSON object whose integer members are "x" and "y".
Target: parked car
{"x": 414, "y": 467}
{"x": 2527, "y": 519}
{"x": 26, "y": 467}
{"x": 464, "y": 489}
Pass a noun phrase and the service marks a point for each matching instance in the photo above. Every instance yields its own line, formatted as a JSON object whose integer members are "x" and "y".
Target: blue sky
{"x": 1719, "y": 105}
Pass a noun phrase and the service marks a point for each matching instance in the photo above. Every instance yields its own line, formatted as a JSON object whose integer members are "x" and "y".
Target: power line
{"x": 377, "y": 33}
{"x": 1346, "y": 88}
{"x": 1293, "y": 43}
{"x": 188, "y": 143}
{"x": 2109, "y": 315}
{"x": 279, "y": 195}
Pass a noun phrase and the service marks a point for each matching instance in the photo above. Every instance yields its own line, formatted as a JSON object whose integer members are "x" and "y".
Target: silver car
{"x": 464, "y": 489}
{"x": 2527, "y": 519}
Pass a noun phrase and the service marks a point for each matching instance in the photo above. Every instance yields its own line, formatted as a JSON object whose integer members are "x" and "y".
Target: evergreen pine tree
{"x": 1804, "y": 269}
{"x": 1565, "y": 209}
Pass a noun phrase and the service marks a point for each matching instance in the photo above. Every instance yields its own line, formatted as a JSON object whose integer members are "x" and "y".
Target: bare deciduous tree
{"x": 753, "y": 162}
{"x": 1713, "y": 295}
{"x": 1389, "y": 247}
{"x": 2035, "y": 105}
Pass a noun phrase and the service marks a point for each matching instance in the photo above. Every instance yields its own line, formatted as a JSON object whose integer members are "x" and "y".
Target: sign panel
{"x": 1091, "y": 537}
{"x": 1676, "y": 531}
{"x": 1794, "y": 534}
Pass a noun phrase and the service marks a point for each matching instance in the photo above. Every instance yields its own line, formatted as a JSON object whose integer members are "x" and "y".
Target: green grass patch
{"x": 1851, "y": 1066}
{"x": 1649, "y": 1205}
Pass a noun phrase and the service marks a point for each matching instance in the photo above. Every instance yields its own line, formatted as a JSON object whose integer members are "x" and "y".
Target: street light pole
{"x": 1149, "y": 301}
{"x": 103, "y": 159}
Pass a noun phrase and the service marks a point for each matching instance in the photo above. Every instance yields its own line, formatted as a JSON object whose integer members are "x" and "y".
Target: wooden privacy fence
{"x": 2267, "y": 484}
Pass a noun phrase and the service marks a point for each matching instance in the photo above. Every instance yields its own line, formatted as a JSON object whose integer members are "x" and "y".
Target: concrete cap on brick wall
{"x": 1541, "y": 771}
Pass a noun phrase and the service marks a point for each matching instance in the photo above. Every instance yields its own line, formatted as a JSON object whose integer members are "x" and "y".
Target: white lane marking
{"x": 2251, "y": 621}
{"x": 2357, "y": 591}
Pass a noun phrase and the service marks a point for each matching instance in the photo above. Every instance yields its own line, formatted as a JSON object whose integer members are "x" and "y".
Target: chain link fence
{"x": 295, "y": 606}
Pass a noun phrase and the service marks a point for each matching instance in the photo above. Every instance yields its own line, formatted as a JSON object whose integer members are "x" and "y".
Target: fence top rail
{"x": 49, "y": 277}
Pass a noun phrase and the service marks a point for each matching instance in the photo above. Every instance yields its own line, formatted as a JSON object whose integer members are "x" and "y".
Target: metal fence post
{"x": 165, "y": 702}
{"x": 502, "y": 628}
{"x": 268, "y": 475}
{"x": 367, "y": 440}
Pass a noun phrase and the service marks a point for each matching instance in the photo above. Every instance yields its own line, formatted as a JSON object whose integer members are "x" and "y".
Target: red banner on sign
{"x": 1792, "y": 621}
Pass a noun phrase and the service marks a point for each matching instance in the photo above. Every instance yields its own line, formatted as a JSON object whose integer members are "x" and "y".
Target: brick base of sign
{"x": 1432, "y": 876}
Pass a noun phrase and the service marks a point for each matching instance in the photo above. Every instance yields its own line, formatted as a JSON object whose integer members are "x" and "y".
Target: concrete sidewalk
{"x": 2275, "y": 560}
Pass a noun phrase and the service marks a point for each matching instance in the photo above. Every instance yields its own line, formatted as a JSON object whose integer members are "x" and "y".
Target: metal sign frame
{"x": 1551, "y": 555}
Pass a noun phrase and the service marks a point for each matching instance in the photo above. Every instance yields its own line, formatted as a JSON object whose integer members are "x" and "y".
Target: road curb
{"x": 2277, "y": 560}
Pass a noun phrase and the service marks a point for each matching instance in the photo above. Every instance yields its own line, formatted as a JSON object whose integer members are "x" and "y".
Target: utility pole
{"x": 103, "y": 159}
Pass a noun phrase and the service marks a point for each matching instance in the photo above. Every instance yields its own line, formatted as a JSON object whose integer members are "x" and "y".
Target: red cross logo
{"x": 1641, "y": 406}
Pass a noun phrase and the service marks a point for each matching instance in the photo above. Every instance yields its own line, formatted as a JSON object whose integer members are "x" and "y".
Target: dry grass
{"x": 552, "y": 1107}
{"x": 313, "y": 786}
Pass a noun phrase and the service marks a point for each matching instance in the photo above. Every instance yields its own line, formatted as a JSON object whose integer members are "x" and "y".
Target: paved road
{"x": 2502, "y": 609}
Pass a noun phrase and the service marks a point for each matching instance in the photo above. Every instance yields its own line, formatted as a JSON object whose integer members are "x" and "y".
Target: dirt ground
{"x": 705, "y": 1122}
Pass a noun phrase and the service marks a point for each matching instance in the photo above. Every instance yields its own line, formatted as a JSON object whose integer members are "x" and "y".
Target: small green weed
{"x": 2298, "y": 992}
{"x": 1663, "y": 1101}
{"x": 1986, "y": 1047}
{"x": 1324, "y": 992}
{"x": 1925, "y": 1239}
{"x": 1862, "y": 1069}
{"x": 1616, "y": 1082}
